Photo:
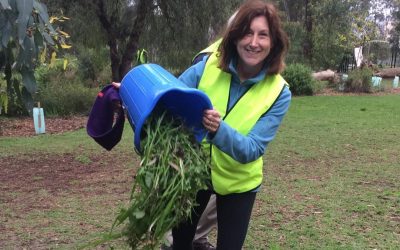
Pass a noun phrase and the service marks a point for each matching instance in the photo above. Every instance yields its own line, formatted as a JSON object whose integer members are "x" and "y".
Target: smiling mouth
{"x": 252, "y": 51}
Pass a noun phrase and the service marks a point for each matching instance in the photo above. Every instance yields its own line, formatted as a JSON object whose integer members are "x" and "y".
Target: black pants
{"x": 233, "y": 214}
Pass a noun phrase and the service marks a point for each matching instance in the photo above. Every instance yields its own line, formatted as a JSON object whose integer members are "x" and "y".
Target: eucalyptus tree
{"x": 27, "y": 36}
{"x": 394, "y": 33}
{"x": 172, "y": 31}
{"x": 322, "y": 31}
{"x": 179, "y": 29}
{"x": 332, "y": 31}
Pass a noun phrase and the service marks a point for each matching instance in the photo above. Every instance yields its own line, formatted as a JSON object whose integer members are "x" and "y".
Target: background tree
{"x": 171, "y": 30}
{"x": 27, "y": 37}
{"x": 394, "y": 39}
{"x": 322, "y": 31}
{"x": 182, "y": 28}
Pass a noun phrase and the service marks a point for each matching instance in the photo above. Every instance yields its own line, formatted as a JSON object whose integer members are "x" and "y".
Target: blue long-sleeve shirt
{"x": 242, "y": 148}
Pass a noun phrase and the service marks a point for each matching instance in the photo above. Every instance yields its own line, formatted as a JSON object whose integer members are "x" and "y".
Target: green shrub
{"x": 61, "y": 91}
{"x": 47, "y": 75}
{"x": 10, "y": 103}
{"x": 359, "y": 80}
{"x": 91, "y": 68}
{"x": 94, "y": 66}
{"x": 104, "y": 76}
{"x": 67, "y": 99}
{"x": 297, "y": 35}
{"x": 299, "y": 78}
{"x": 320, "y": 86}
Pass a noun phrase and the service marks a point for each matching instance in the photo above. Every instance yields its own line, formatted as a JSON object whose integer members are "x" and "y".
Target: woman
{"x": 250, "y": 99}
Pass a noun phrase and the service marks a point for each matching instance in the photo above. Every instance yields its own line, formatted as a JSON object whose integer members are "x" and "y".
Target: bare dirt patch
{"x": 57, "y": 174}
{"x": 23, "y": 126}
{"x": 34, "y": 189}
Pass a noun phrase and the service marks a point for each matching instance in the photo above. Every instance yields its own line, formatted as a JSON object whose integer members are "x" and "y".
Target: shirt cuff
{"x": 218, "y": 137}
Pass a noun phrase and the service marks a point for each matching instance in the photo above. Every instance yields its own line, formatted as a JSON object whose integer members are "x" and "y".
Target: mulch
{"x": 23, "y": 126}
{"x": 38, "y": 183}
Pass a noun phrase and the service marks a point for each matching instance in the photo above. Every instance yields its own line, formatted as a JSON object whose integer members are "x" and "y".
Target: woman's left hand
{"x": 211, "y": 120}
{"x": 116, "y": 104}
{"x": 116, "y": 85}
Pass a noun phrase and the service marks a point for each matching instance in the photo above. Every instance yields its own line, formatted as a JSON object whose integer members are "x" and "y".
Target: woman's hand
{"x": 116, "y": 85}
{"x": 211, "y": 120}
{"x": 116, "y": 104}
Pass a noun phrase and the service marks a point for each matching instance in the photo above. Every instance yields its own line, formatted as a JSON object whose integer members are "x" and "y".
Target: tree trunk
{"x": 326, "y": 75}
{"x": 388, "y": 73}
{"x": 133, "y": 41}
{"x": 112, "y": 38}
{"x": 307, "y": 46}
{"x": 287, "y": 10}
{"x": 121, "y": 61}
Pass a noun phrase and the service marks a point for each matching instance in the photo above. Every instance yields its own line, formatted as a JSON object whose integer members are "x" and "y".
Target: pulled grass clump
{"x": 173, "y": 169}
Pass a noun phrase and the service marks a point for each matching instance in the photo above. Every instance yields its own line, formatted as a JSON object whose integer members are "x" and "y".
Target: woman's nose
{"x": 254, "y": 41}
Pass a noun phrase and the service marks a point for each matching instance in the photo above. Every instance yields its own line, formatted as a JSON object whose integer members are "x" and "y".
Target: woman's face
{"x": 255, "y": 46}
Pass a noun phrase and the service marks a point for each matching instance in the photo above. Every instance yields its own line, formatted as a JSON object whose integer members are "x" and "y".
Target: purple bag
{"x": 101, "y": 125}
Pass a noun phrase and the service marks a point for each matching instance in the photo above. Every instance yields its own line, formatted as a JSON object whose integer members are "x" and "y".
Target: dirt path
{"x": 50, "y": 201}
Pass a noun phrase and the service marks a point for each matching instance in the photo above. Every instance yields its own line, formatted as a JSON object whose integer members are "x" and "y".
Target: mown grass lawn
{"x": 333, "y": 176}
{"x": 332, "y": 181}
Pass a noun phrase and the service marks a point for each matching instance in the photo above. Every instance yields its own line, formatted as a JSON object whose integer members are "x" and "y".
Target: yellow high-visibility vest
{"x": 228, "y": 175}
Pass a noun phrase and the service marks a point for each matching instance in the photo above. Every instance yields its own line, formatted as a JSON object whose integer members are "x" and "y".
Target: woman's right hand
{"x": 211, "y": 120}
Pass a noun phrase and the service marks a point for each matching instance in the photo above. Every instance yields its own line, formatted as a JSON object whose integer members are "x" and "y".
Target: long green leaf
{"x": 3, "y": 102}
{"x": 28, "y": 80}
{"x": 26, "y": 55}
{"x": 24, "y": 8}
{"x": 6, "y": 34}
{"x": 38, "y": 38}
{"x": 5, "y": 5}
{"x": 42, "y": 29}
{"x": 27, "y": 100}
{"x": 44, "y": 17}
{"x": 2, "y": 59}
{"x": 13, "y": 5}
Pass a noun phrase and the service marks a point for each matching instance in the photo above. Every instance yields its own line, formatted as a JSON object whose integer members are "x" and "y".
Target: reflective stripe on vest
{"x": 228, "y": 175}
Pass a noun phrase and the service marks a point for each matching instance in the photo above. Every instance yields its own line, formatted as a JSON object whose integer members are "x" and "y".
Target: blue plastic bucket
{"x": 149, "y": 85}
